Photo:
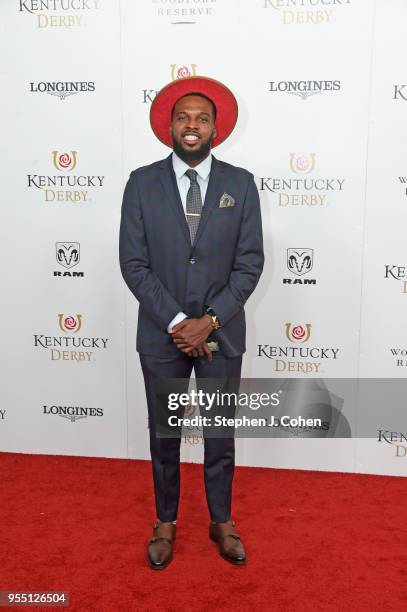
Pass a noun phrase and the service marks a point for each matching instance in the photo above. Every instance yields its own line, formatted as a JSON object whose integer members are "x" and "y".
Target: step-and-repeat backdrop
{"x": 322, "y": 93}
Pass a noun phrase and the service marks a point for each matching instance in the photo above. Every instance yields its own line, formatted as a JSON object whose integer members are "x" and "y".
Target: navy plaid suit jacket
{"x": 168, "y": 275}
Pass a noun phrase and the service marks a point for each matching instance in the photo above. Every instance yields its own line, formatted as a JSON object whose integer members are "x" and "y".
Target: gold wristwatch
{"x": 216, "y": 324}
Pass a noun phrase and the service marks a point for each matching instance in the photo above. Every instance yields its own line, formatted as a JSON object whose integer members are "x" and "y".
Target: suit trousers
{"x": 219, "y": 452}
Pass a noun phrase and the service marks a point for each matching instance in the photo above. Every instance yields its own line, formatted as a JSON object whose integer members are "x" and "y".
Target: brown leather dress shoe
{"x": 230, "y": 545}
{"x": 160, "y": 546}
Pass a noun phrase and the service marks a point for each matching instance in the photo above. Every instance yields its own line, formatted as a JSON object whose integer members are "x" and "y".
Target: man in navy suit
{"x": 191, "y": 252}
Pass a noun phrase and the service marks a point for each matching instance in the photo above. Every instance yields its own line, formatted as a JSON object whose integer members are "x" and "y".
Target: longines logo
{"x": 184, "y": 12}
{"x": 400, "y": 355}
{"x": 400, "y": 92}
{"x": 177, "y": 72}
{"x": 305, "y": 12}
{"x": 303, "y": 189}
{"x": 65, "y": 187}
{"x": 300, "y": 262}
{"x": 2, "y": 414}
{"x": 303, "y": 89}
{"x": 72, "y": 413}
{"x": 292, "y": 358}
{"x": 62, "y": 89}
{"x": 396, "y": 438}
{"x": 57, "y": 13}
{"x": 398, "y": 273}
{"x": 68, "y": 256}
{"x": 70, "y": 347}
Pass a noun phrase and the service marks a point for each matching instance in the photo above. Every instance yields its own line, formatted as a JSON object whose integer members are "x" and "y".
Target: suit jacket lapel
{"x": 212, "y": 195}
{"x": 169, "y": 183}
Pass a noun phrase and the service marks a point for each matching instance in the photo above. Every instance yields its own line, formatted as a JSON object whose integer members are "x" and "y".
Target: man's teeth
{"x": 191, "y": 138}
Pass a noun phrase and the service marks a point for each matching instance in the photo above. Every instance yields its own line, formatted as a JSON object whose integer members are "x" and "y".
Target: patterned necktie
{"x": 194, "y": 203}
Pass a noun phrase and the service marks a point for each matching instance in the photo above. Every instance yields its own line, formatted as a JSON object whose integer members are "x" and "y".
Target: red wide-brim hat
{"x": 222, "y": 97}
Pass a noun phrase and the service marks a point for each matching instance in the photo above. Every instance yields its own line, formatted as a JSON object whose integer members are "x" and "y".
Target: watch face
{"x": 215, "y": 321}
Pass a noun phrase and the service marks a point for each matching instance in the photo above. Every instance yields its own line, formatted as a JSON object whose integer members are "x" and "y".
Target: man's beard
{"x": 192, "y": 155}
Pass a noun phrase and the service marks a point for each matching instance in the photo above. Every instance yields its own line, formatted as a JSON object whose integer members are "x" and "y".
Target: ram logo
{"x": 300, "y": 261}
{"x": 67, "y": 253}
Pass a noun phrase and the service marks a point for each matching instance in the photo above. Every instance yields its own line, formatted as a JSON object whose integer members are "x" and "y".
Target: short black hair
{"x": 201, "y": 95}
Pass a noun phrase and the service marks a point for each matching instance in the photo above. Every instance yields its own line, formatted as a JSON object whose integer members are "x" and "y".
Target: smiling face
{"x": 192, "y": 128}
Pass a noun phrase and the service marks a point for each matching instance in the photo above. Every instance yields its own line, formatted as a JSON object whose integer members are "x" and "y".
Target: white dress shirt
{"x": 180, "y": 167}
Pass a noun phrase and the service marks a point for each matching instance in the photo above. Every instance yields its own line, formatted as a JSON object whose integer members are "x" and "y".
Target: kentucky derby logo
{"x": 306, "y": 12}
{"x": 300, "y": 261}
{"x": 64, "y": 185}
{"x": 70, "y": 323}
{"x": 298, "y": 333}
{"x": 301, "y": 187}
{"x": 180, "y": 72}
{"x": 70, "y": 346}
{"x": 64, "y": 14}
{"x": 64, "y": 162}
{"x": 397, "y": 439}
{"x": 67, "y": 254}
{"x": 397, "y": 273}
{"x": 302, "y": 164}
{"x": 298, "y": 358}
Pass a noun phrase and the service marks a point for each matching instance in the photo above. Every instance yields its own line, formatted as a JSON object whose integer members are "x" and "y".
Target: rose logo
{"x": 302, "y": 164}
{"x": 182, "y": 71}
{"x": 64, "y": 161}
{"x": 70, "y": 323}
{"x": 298, "y": 333}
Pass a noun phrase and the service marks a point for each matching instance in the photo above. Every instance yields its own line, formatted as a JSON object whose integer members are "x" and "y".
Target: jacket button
{"x": 192, "y": 260}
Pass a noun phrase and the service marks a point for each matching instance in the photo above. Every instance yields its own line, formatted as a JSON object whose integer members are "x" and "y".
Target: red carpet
{"x": 315, "y": 540}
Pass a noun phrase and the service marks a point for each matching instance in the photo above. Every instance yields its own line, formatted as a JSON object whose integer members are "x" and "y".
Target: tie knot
{"x": 192, "y": 174}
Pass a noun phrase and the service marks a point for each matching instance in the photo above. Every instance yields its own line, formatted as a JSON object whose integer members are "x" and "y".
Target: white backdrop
{"x": 329, "y": 159}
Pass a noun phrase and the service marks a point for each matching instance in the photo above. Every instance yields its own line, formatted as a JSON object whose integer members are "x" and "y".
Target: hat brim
{"x": 222, "y": 97}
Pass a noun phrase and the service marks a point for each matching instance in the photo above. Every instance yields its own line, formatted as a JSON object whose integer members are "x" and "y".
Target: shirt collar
{"x": 180, "y": 167}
